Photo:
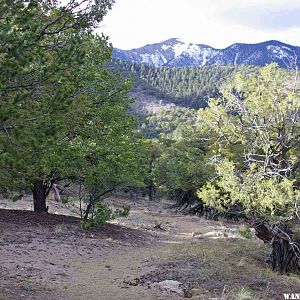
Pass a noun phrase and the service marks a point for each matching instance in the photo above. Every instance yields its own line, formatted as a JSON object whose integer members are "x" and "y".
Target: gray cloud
{"x": 267, "y": 17}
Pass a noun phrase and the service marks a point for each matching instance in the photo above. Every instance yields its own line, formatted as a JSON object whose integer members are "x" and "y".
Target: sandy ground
{"x": 49, "y": 256}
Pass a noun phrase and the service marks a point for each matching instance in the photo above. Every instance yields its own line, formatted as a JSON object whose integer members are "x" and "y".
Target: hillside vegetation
{"x": 186, "y": 86}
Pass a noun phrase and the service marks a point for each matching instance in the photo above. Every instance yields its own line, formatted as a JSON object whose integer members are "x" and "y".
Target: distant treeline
{"x": 186, "y": 86}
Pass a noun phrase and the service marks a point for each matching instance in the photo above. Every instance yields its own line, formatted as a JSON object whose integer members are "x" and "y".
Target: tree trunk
{"x": 152, "y": 192}
{"x": 94, "y": 198}
{"x": 87, "y": 211}
{"x": 285, "y": 256}
{"x": 40, "y": 192}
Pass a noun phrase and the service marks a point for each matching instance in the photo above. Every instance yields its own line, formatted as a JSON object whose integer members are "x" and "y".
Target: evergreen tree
{"x": 56, "y": 98}
{"x": 254, "y": 130}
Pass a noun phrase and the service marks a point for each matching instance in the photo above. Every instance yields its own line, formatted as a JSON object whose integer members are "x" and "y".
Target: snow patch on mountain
{"x": 166, "y": 47}
{"x": 157, "y": 59}
{"x": 278, "y": 51}
{"x": 177, "y": 53}
{"x": 193, "y": 50}
{"x": 287, "y": 48}
{"x": 179, "y": 49}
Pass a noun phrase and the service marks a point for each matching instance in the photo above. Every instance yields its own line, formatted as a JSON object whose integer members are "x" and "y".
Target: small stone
{"x": 173, "y": 286}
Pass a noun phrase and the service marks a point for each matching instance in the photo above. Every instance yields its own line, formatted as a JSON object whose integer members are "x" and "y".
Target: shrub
{"x": 103, "y": 213}
{"x": 245, "y": 232}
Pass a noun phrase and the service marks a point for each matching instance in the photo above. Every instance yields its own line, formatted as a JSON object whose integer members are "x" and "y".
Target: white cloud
{"x": 219, "y": 23}
{"x": 277, "y": 16}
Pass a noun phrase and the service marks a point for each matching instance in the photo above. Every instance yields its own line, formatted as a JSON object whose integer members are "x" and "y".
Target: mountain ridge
{"x": 176, "y": 53}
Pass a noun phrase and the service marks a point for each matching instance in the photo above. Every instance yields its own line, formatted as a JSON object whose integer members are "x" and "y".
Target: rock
{"x": 173, "y": 286}
{"x": 214, "y": 234}
{"x": 196, "y": 234}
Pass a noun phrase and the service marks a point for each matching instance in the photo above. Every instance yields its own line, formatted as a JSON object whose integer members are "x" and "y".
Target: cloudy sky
{"x": 218, "y": 23}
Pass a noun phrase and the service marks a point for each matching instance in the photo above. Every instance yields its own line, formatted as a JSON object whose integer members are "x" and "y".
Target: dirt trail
{"x": 50, "y": 257}
{"x": 108, "y": 278}
{"x": 104, "y": 279}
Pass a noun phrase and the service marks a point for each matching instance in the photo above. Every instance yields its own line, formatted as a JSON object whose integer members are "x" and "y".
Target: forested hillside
{"x": 186, "y": 86}
{"x": 168, "y": 122}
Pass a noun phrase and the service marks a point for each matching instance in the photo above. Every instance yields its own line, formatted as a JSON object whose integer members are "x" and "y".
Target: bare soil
{"x": 49, "y": 256}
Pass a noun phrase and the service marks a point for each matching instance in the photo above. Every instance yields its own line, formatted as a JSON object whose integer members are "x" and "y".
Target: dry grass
{"x": 21, "y": 287}
{"x": 233, "y": 269}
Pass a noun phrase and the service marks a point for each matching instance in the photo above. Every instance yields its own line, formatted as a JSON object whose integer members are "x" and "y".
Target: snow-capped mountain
{"x": 176, "y": 53}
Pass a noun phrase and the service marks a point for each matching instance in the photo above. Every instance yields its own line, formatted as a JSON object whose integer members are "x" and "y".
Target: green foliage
{"x": 124, "y": 212}
{"x": 103, "y": 213}
{"x": 180, "y": 166}
{"x": 152, "y": 150}
{"x": 264, "y": 196}
{"x": 187, "y": 86}
{"x": 175, "y": 159}
{"x": 254, "y": 135}
{"x": 62, "y": 113}
{"x": 174, "y": 156}
{"x": 245, "y": 232}
{"x": 168, "y": 123}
